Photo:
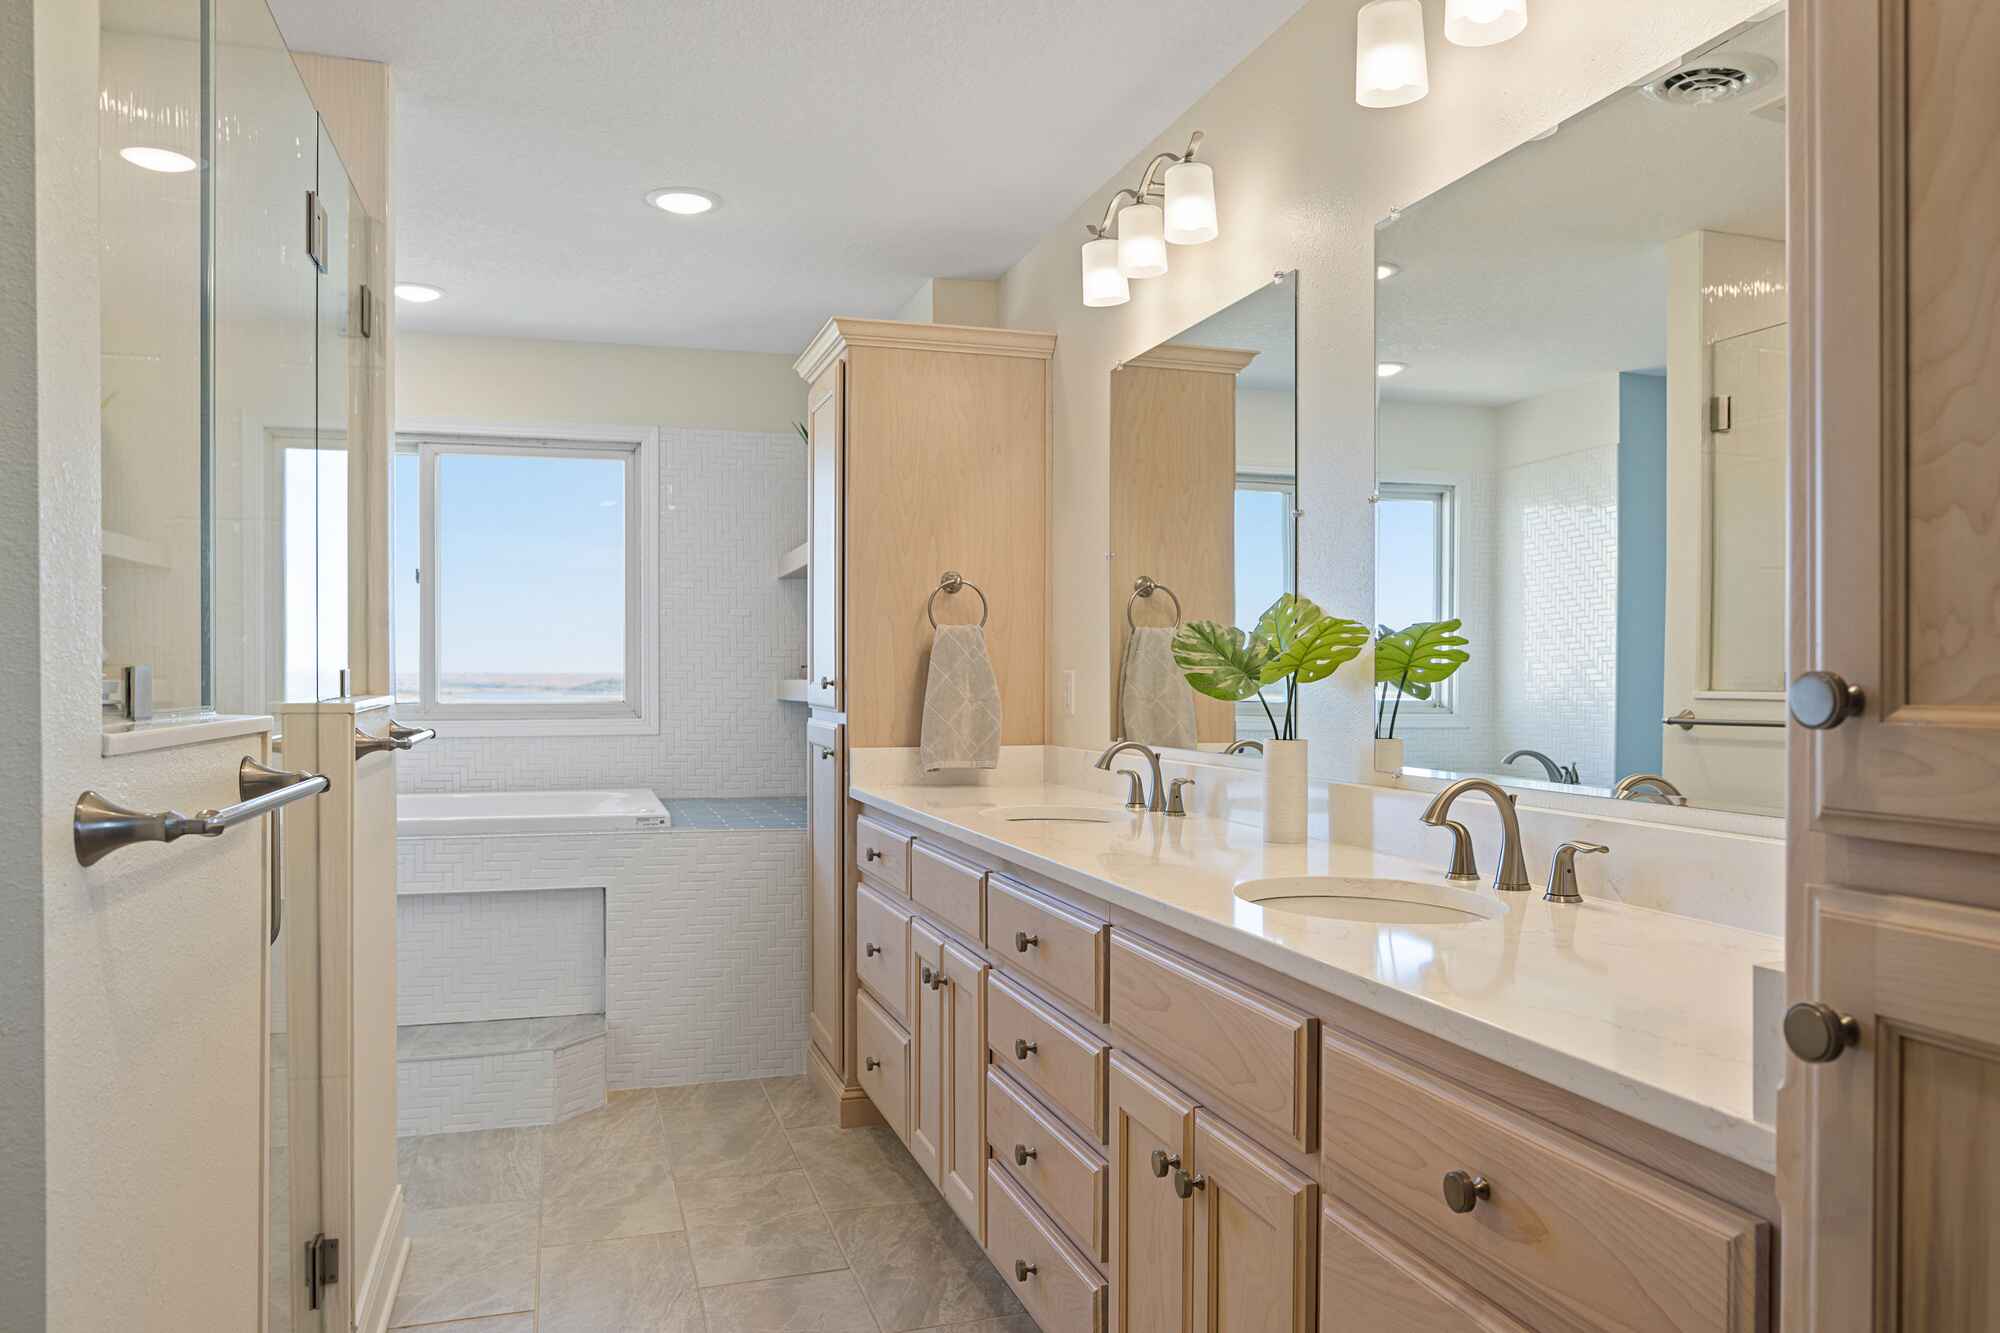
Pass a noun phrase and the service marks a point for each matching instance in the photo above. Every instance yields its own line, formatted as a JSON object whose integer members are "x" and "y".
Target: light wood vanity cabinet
{"x": 962, "y": 1151}
{"x": 1367, "y": 1283}
{"x": 927, "y": 1046}
{"x": 827, "y": 987}
{"x": 1152, "y": 1230}
{"x": 1253, "y": 1235}
{"x": 882, "y": 1049}
{"x": 882, "y": 948}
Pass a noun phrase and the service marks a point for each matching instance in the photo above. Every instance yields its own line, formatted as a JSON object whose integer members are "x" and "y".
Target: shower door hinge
{"x": 322, "y": 1267}
{"x": 316, "y": 230}
{"x": 1720, "y": 410}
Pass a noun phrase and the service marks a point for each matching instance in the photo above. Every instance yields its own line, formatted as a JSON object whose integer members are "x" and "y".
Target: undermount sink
{"x": 1055, "y": 814}
{"x": 1390, "y": 902}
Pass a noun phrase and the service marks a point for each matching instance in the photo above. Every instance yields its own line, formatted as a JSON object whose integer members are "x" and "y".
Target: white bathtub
{"x": 457, "y": 814}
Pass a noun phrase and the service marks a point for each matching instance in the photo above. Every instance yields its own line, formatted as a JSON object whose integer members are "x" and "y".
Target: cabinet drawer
{"x": 882, "y": 854}
{"x": 1367, "y": 1283}
{"x": 882, "y": 949}
{"x": 883, "y": 1048}
{"x": 1256, "y": 1051}
{"x": 1604, "y": 1242}
{"x": 949, "y": 889}
{"x": 1063, "y": 949}
{"x": 1058, "y": 1286}
{"x": 1064, "y": 1065}
{"x": 1060, "y": 1172}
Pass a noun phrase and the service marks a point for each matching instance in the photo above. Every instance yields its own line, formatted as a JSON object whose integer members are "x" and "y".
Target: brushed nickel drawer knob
{"x": 826, "y": 682}
{"x": 872, "y": 854}
{"x": 1818, "y": 1032}
{"x": 1821, "y": 700}
{"x": 871, "y": 949}
{"x": 1023, "y": 1270}
{"x": 1023, "y": 1048}
{"x": 871, "y": 1064}
{"x": 1023, "y": 1154}
{"x": 1463, "y": 1191}
{"x": 1163, "y": 1161}
{"x": 1023, "y": 941}
{"x": 1185, "y": 1185}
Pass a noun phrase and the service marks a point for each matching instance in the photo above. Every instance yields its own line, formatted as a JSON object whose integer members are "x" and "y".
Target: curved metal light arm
{"x": 1149, "y": 189}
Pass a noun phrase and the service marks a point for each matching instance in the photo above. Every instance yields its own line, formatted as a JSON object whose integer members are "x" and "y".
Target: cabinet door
{"x": 1253, "y": 1236}
{"x": 962, "y": 1168}
{"x": 826, "y": 410}
{"x": 1368, "y": 1283}
{"x": 826, "y": 797}
{"x": 927, "y": 1047}
{"x": 1152, "y": 1229}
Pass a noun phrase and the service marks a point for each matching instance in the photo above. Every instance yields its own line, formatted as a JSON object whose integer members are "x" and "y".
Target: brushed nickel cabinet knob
{"x": 1023, "y": 1048}
{"x": 1163, "y": 1161}
{"x": 1463, "y": 1191}
{"x": 1185, "y": 1185}
{"x": 1023, "y": 941}
{"x": 871, "y": 1064}
{"x": 1023, "y": 1154}
{"x": 826, "y": 682}
{"x": 1818, "y": 1033}
{"x": 1023, "y": 1270}
{"x": 870, "y": 950}
{"x": 1821, "y": 700}
{"x": 872, "y": 854}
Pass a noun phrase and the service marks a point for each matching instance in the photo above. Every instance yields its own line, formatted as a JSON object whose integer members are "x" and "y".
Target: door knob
{"x": 1163, "y": 1160}
{"x": 1821, "y": 700}
{"x": 1818, "y": 1032}
{"x": 1463, "y": 1191}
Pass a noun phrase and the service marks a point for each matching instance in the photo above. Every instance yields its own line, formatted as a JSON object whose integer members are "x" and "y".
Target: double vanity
{"x": 1173, "y": 1077}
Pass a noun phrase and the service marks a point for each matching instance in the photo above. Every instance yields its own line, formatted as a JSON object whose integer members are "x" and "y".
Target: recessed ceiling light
{"x": 418, "y": 293}
{"x": 1389, "y": 369}
{"x": 158, "y": 159}
{"x": 1386, "y": 270}
{"x": 681, "y": 200}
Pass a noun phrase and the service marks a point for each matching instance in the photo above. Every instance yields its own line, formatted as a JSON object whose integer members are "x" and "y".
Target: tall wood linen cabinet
{"x": 928, "y": 451}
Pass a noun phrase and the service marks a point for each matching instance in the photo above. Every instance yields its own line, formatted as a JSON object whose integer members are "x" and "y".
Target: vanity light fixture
{"x": 683, "y": 201}
{"x": 1385, "y": 270}
{"x": 1173, "y": 204}
{"x": 158, "y": 159}
{"x": 418, "y": 293}
{"x": 1484, "y": 22}
{"x": 1390, "y": 65}
{"x": 1388, "y": 370}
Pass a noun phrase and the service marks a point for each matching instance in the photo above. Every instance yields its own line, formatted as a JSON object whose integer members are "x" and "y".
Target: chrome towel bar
{"x": 101, "y": 827}
{"x": 396, "y": 738}
{"x": 1687, "y": 721}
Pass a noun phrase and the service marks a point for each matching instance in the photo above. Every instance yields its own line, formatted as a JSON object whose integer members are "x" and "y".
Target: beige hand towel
{"x": 1155, "y": 702}
{"x": 961, "y": 702}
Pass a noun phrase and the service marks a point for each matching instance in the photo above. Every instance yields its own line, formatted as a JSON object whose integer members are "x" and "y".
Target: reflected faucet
{"x": 1648, "y": 787}
{"x": 1158, "y": 803}
{"x": 1513, "y": 874}
{"x": 1564, "y": 773}
{"x": 1238, "y": 747}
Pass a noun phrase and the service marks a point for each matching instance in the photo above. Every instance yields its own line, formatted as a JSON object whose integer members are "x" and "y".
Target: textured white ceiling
{"x": 1264, "y": 322}
{"x": 859, "y": 146}
{"x": 1549, "y": 264}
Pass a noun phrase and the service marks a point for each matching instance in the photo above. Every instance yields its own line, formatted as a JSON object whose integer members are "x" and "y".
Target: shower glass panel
{"x": 341, "y": 376}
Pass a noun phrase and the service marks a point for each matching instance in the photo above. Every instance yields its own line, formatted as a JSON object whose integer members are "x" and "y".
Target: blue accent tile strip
{"x": 755, "y": 812}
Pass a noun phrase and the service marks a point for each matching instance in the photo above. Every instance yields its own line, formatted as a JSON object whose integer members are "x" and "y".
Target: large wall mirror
{"x": 1581, "y": 358}
{"x": 1204, "y": 508}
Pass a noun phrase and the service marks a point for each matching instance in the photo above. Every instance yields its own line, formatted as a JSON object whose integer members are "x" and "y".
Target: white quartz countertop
{"x": 1641, "y": 1011}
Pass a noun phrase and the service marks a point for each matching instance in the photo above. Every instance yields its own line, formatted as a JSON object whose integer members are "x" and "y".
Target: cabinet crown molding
{"x": 841, "y": 332}
{"x": 1214, "y": 360}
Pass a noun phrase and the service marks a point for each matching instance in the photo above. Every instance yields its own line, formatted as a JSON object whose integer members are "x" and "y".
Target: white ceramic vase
{"x": 1284, "y": 791}
{"x": 1388, "y": 756}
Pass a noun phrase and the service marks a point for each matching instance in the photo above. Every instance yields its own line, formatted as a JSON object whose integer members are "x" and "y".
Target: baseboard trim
{"x": 852, "y": 1107}
{"x": 376, "y": 1299}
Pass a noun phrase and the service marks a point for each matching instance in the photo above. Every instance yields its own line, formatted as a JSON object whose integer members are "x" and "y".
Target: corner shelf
{"x": 792, "y": 691}
{"x": 792, "y": 565}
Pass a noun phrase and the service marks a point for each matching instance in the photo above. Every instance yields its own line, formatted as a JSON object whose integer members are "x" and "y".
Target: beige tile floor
{"x": 720, "y": 1208}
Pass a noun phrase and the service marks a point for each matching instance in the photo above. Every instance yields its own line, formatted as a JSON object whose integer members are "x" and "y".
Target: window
{"x": 521, "y": 568}
{"x": 1413, "y": 559}
{"x": 1266, "y": 543}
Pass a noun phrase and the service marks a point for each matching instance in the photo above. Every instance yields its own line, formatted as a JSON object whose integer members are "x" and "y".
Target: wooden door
{"x": 1253, "y": 1236}
{"x": 1152, "y": 1229}
{"x": 825, "y": 814}
{"x": 962, "y": 1165}
{"x": 1890, "y": 1109}
{"x": 927, "y": 1047}
{"x": 826, "y": 412}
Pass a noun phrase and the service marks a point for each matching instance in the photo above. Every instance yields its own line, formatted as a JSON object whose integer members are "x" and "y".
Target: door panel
{"x": 962, "y": 1170}
{"x": 1152, "y": 1230}
{"x": 1253, "y": 1236}
{"x": 826, "y": 744}
{"x": 827, "y": 451}
{"x": 927, "y": 1047}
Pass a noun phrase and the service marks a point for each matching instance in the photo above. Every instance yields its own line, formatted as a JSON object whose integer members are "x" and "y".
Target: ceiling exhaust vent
{"x": 1705, "y": 81}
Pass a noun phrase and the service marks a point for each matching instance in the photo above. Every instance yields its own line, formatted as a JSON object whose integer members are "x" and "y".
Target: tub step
{"x": 503, "y": 1074}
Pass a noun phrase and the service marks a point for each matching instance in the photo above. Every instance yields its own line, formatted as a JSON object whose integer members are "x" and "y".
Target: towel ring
{"x": 1145, "y": 587}
{"x": 952, "y": 581}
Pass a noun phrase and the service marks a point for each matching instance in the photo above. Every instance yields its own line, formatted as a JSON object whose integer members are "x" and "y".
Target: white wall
{"x": 1302, "y": 175}
{"x": 1266, "y": 432}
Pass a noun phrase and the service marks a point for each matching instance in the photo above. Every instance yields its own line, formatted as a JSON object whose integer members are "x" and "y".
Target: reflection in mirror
{"x": 1581, "y": 447}
{"x": 1204, "y": 499}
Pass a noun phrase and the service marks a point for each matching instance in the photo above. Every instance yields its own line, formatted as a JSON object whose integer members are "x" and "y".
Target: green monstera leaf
{"x": 1220, "y": 660}
{"x": 1421, "y": 656}
{"x": 1305, "y": 641}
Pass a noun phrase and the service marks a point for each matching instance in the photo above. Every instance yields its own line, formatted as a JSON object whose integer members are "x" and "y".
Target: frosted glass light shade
{"x": 1483, "y": 22}
{"x": 1390, "y": 68}
{"x": 1190, "y": 203}
{"x": 1103, "y": 284}
{"x": 1142, "y": 241}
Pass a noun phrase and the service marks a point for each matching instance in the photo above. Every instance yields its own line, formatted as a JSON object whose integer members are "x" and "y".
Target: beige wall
{"x": 1302, "y": 175}
{"x": 971, "y": 301}
{"x": 524, "y": 380}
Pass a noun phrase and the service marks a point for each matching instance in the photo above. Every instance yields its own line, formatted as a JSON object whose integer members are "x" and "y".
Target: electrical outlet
{"x": 1069, "y": 694}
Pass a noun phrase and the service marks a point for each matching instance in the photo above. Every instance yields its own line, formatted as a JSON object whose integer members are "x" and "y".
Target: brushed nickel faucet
{"x": 1562, "y": 871}
{"x": 1648, "y": 787}
{"x": 1513, "y": 873}
{"x": 1563, "y": 773}
{"x": 1238, "y": 747}
{"x": 1158, "y": 802}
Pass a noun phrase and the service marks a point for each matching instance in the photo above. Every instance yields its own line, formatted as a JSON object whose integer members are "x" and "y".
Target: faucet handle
{"x": 1174, "y": 805}
{"x": 1464, "y": 858}
{"x": 1562, "y": 871}
{"x": 1135, "y": 789}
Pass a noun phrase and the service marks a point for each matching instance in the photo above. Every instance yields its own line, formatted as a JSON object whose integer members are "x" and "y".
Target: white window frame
{"x": 639, "y": 712}
{"x": 1442, "y": 704}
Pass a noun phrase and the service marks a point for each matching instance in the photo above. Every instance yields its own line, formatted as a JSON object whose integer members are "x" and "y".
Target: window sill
{"x": 449, "y": 727}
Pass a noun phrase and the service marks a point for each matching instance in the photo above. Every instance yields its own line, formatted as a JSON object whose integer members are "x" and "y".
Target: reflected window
{"x": 312, "y": 523}
{"x": 1414, "y": 536}
{"x": 1266, "y": 543}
